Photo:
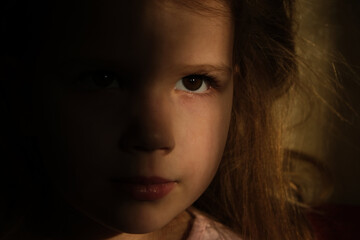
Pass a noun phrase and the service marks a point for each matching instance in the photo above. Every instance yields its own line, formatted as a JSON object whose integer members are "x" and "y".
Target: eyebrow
{"x": 90, "y": 62}
{"x": 219, "y": 68}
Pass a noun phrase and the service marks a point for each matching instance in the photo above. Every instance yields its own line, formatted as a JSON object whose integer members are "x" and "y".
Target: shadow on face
{"x": 128, "y": 89}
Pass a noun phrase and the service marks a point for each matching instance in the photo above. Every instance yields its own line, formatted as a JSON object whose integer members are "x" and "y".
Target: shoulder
{"x": 205, "y": 228}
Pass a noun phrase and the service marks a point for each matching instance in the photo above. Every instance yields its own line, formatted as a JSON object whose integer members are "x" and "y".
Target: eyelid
{"x": 212, "y": 81}
{"x": 86, "y": 79}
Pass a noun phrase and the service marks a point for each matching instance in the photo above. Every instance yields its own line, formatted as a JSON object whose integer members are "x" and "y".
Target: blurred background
{"x": 329, "y": 43}
{"x": 344, "y": 154}
{"x": 327, "y": 129}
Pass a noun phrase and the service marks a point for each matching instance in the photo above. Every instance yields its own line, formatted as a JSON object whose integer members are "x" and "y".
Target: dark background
{"x": 330, "y": 39}
{"x": 345, "y": 153}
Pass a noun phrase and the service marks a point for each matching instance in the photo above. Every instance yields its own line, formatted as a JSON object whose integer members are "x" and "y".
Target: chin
{"x": 141, "y": 227}
{"x": 139, "y": 222}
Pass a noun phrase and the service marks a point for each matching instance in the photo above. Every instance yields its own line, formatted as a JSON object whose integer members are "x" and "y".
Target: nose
{"x": 149, "y": 125}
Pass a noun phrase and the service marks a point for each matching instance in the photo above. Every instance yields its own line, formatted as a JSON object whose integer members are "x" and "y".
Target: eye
{"x": 196, "y": 83}
{"x": 99, "y": 79}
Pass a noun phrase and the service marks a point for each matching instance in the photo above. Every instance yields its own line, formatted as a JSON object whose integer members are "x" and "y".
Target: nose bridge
{"x": 151, "y": 101}
{"x": 150, "y": 124}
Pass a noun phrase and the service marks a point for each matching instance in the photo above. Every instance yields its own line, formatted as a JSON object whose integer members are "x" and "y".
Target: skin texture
{"x": 150, "y": 125}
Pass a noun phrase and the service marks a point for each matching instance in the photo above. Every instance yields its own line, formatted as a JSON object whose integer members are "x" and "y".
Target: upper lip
{"x": 143, "y": 180}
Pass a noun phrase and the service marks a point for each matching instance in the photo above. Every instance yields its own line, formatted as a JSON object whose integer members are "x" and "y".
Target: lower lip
{"x": 148, "y": 192}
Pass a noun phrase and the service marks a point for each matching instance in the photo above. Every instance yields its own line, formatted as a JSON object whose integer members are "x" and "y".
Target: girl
{"x": 147, "y": 120}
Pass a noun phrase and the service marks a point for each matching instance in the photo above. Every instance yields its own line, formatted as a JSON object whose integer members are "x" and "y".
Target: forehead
{"x": 111, "y": 28}
{"x": 203, "y": 7}
{"x": 131, "y": 12}
{"x": 125, "y": 9}
{"x": 129, "y": 15}
{"x": 211, "y": 7}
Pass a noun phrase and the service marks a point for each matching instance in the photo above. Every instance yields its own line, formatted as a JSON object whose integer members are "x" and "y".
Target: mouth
{"x": 145, "y": 188}
{"x": 144, "y": 180}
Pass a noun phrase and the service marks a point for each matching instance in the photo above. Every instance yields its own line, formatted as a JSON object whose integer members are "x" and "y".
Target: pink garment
{"x": 204, "y": 228}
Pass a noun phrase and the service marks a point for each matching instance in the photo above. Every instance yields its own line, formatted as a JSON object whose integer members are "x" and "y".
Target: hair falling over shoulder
{"x": 251, "y": 192}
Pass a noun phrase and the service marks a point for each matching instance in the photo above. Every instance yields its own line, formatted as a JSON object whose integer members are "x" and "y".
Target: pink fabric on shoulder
{"x": 204, "y": 228}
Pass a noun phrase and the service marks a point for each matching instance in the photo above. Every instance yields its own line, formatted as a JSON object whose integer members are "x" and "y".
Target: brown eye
{"x": 194, "y": 83}
{"x": 97, "y": 80}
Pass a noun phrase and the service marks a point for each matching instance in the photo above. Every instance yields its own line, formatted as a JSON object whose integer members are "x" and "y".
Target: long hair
{"x": 251, "y": 193}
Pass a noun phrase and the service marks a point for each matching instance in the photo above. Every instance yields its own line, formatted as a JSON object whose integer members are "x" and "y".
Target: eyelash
{"x": 211, "y": 80}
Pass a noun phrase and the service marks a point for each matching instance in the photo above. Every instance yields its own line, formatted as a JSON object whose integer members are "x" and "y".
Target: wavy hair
{"x": 251, "y": 192}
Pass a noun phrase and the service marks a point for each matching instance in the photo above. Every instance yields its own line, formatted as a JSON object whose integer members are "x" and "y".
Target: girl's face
{"x": 135, "y": 90}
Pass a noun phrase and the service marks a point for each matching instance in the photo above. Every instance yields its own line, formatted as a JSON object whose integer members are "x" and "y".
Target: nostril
{"x": 146, "y": 143}
{"x": 142, "y": 148}
{"x": 146, "y": 135}
{"x": 150, "y": 148}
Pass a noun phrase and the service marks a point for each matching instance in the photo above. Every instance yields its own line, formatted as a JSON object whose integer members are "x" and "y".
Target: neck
{"x": 60, "y": 221}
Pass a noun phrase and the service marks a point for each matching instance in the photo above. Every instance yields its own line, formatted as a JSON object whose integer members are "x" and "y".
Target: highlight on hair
{"x": 251, "y": 192}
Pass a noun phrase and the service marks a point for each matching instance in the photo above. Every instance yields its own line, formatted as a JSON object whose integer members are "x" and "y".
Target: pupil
{"x": 192, "y": 83}
{"x": 103, "y": 79}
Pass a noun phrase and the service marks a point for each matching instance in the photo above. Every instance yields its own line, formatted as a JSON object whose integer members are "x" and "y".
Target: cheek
{"x": 81, "y": 135}
{"x": 202, "y": 138}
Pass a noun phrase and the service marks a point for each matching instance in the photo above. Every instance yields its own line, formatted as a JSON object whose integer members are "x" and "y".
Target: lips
{"x": 145, "y": 188}
{"x": 144, "y": 180}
